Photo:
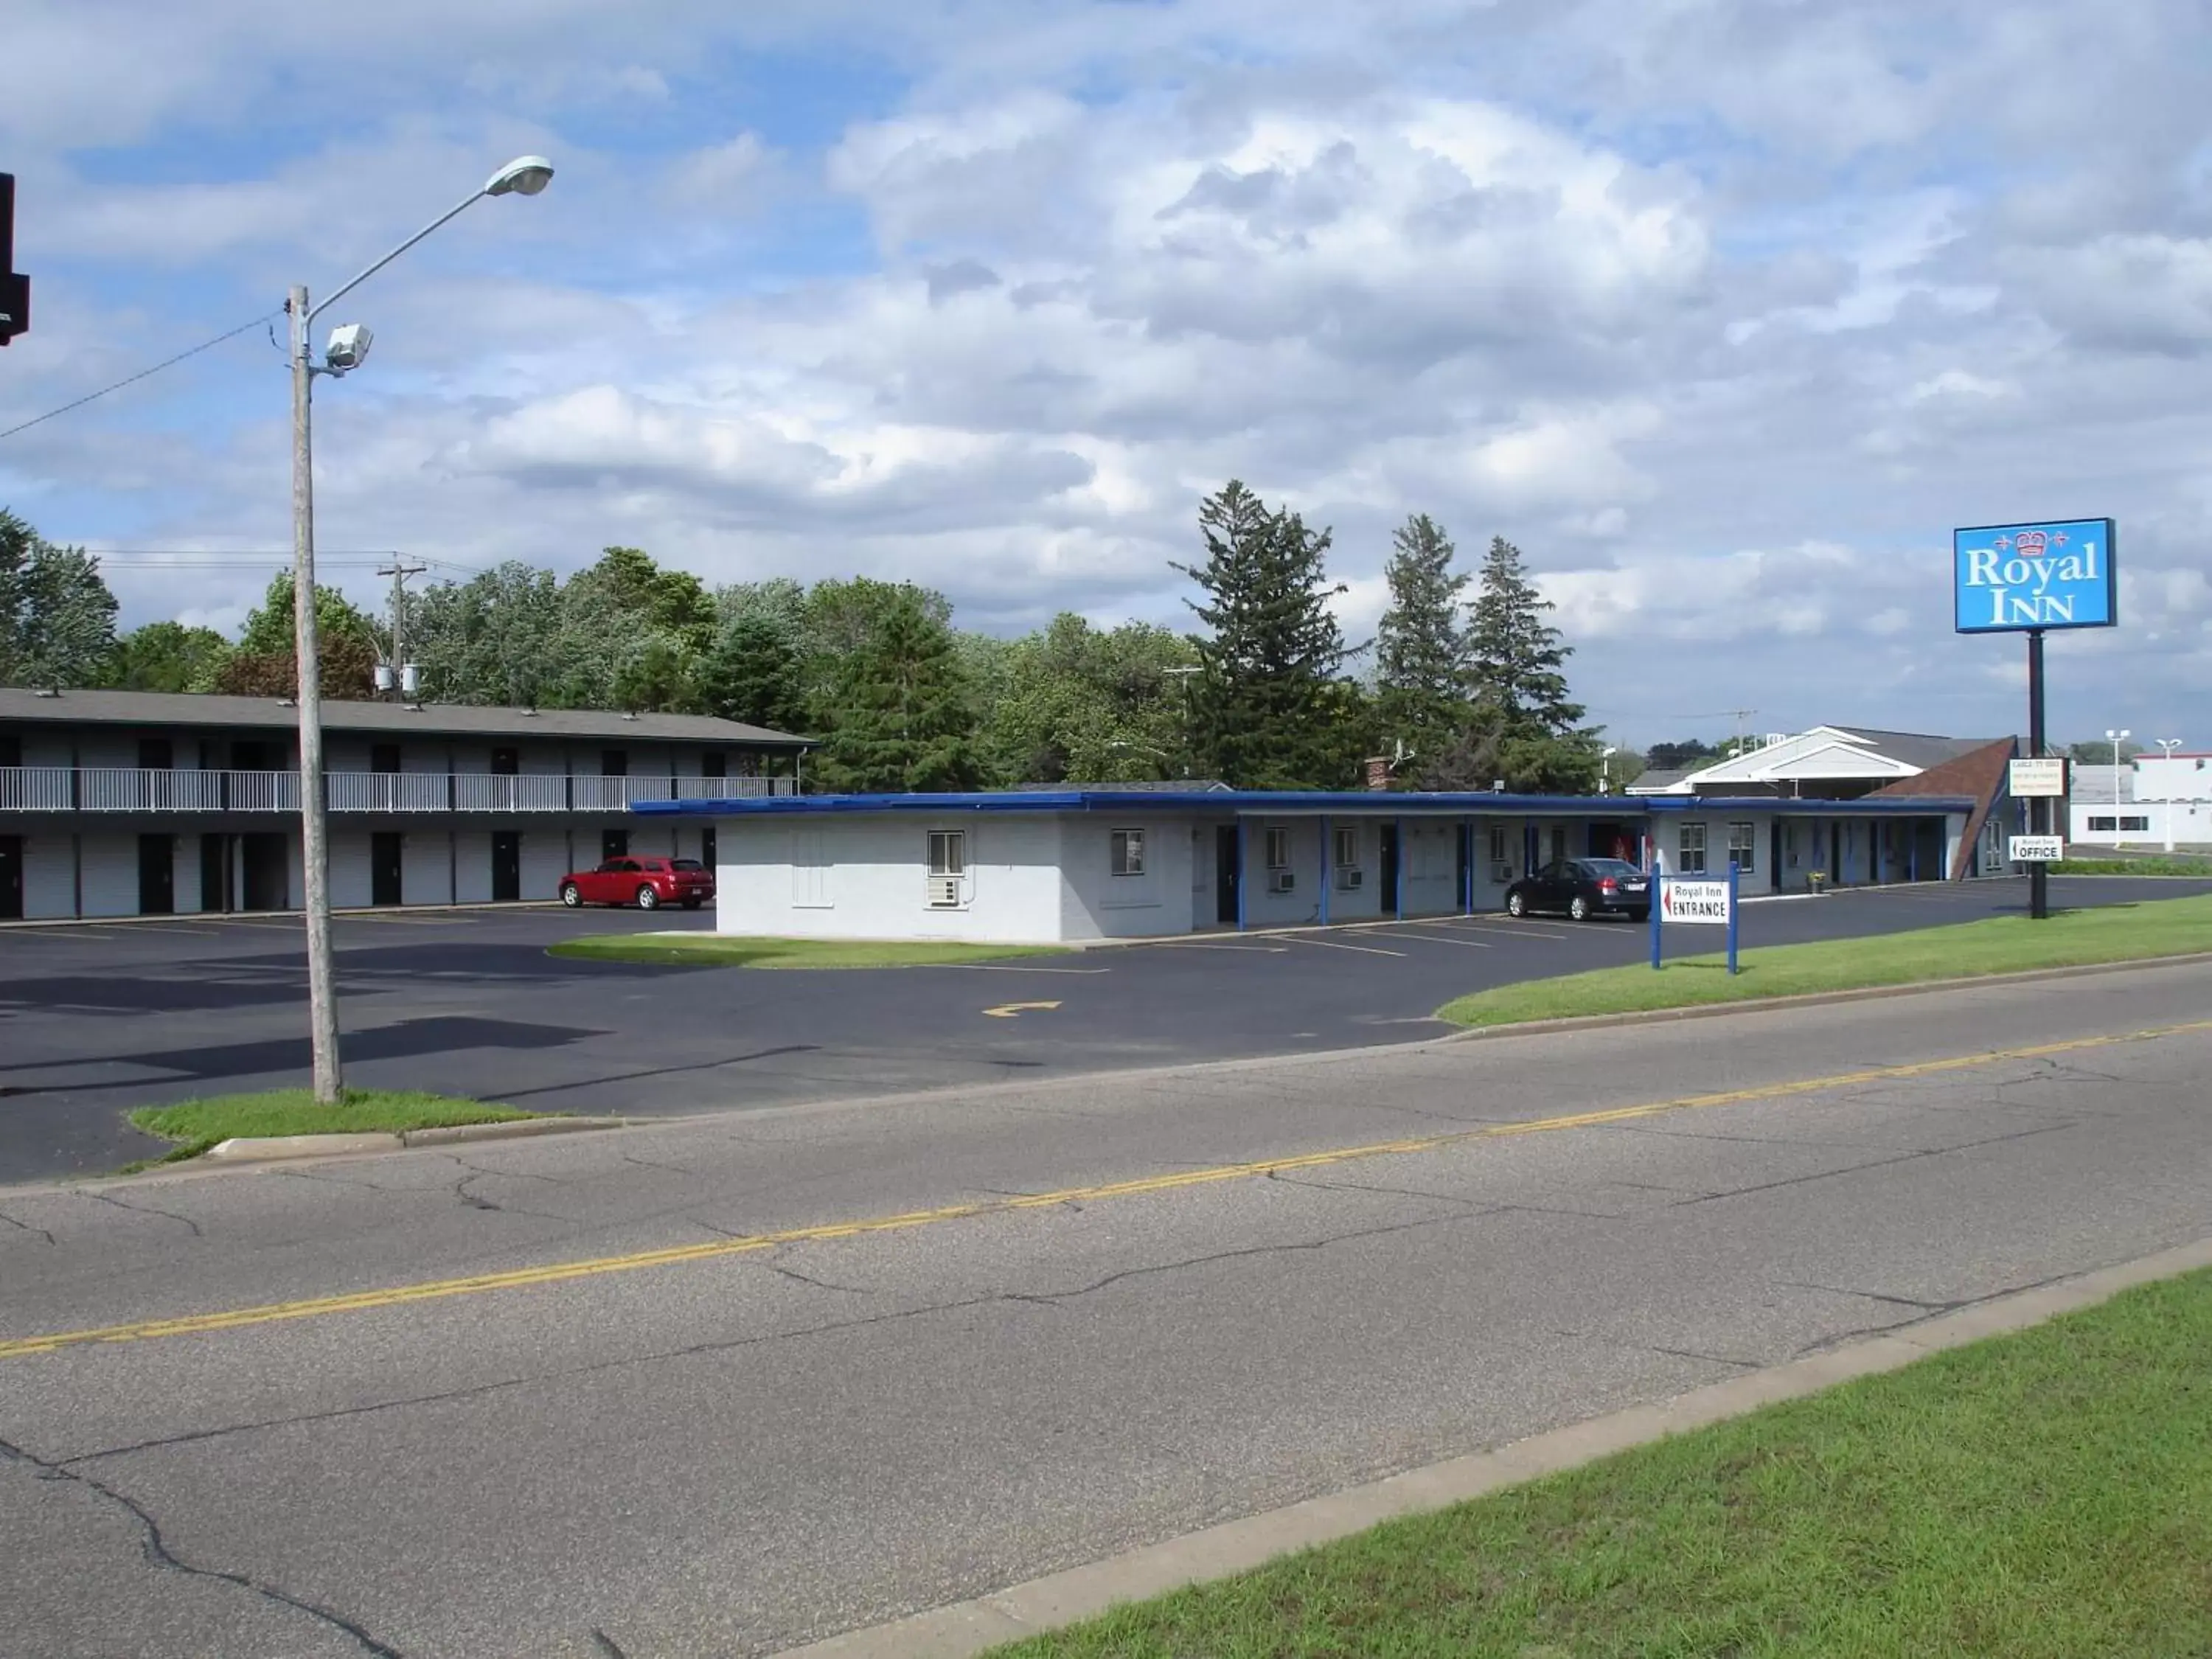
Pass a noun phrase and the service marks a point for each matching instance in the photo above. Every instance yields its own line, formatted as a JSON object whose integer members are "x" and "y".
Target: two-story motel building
{"x": 130, "y": 803}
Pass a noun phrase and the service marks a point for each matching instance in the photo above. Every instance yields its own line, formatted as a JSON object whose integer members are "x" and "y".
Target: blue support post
{"x": 1243, "y": 866}
{"x": 1732, "y": 911}
{"x": 1657, "y": 891}
{"x": 1324, "y": 869}
{"x": 1398, "y": 874}
{"x": 1467, "y": 898}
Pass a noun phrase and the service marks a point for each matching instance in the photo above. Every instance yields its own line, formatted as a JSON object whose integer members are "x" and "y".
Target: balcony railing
{"x": 135, "y": 789}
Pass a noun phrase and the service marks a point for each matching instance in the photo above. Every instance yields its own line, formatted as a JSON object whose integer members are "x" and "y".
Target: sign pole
{"x": 1733, "y": 870}
{"x": 2038, "y": 876}
{"x": 1658, "y": 897}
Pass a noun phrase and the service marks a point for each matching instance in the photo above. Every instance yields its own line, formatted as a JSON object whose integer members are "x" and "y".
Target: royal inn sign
{"x": 2010, "y": 577}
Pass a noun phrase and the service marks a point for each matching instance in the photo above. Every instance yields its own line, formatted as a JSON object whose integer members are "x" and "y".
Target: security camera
{"x": 349, "y": 347}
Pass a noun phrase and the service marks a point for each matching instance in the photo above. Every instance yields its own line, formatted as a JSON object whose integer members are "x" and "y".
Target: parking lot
{"x": 97, "y": 1019}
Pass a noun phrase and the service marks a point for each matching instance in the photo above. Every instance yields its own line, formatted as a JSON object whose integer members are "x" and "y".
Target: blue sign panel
{"x": 2008, "y": 577}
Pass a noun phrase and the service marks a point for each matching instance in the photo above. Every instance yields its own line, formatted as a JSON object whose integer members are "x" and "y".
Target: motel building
{"x": 129, "y": 803}
{"x": 1075, "y": 864}
{"x": 2152, "y": 801}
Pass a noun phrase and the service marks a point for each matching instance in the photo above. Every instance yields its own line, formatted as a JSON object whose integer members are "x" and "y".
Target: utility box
{"x": 14, "y": 288}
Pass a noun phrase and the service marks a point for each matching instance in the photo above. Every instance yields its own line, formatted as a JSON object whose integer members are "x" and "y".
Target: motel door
{"x": 506, "y": 866}
{"x": 1226, "y": 873}
{"x": 1390, "y": 860}
{"x": 383, "y": 868}
{"x": 11, "y": 878}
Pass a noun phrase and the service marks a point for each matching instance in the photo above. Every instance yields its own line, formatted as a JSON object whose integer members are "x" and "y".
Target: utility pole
{"x": 399, "y": 571}
{"x": 315, "y": 854}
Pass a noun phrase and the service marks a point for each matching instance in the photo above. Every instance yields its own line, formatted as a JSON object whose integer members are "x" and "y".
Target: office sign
{"x": 2032, "y": 780}
{"x": 1703, "y": 901}
{"x": 2008, "y": 577}
{"x": 2036, "y": 849}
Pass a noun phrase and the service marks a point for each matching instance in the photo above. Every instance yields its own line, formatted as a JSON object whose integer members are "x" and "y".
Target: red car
{"x": 647, "y": 882}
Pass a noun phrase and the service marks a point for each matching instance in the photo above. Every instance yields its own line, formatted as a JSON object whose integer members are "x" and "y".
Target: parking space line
{"x": 1502, "y": 930}
{"x": 1338, "y": 945}
{"x": 1445, "y": 938}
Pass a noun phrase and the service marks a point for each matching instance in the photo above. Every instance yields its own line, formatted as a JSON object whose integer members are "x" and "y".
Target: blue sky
{"x": 1725, "y": 311}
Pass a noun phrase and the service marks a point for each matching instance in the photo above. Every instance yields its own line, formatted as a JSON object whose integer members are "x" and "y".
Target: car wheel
{"x": 1516, "y": 905}
{"x": 1578, "y": 907}
{"x": 647, "y": 899}
{"x": 571, "y": 895}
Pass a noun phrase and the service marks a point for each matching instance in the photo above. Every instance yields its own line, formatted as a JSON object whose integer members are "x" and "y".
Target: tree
{"x": 2098, "y": 751}
{"x": 56, "y": 614}
{"x": 1515, "y": 664}
{"x": 270, "y": 628}
{"x": 1082, "y": 704}
{"x": 751, "y": 673}
{"x": 1264, "y": 714}
{"x": 489, "y": 640}
{"x": 1683, "y": 756}
{"x": 345, "y": 664}
{"x": 167, "y": 656}
{"x": 1420, "y": 648}
{"x": 902, "y": 717}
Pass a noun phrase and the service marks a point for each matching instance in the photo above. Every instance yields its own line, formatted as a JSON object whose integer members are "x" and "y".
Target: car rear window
{"x": 685, "y": 864}
{"x": 1610, "y": 867}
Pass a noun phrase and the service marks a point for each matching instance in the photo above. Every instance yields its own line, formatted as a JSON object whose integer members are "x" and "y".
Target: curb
{"x": 212, "y": 918}
{"x": 968, "y": 1628}
{"x": 262, "y": 1149}
{"x": 1811, "y": 999}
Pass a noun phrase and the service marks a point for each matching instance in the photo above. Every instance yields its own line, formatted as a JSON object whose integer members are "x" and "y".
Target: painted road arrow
{"x": 1009, "y": 1010}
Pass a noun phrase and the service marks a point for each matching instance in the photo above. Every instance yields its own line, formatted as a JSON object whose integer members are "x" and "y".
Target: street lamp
{"x": 2166, "y": 747}
{"x": 1183, "y": 675}
{"x": 2115, "y": 739}
{"x": 1604, "y": 761}
{"x": 525, "y": 176}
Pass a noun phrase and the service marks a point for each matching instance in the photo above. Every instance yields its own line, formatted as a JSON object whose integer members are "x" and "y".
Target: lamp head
{"x": 524, "y": 176}
{"x": 348, "y": 348}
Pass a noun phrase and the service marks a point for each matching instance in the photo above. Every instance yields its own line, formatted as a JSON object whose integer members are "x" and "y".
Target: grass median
{"x": 2039, "y": 1496}
{"x": 2001, "y": 945}
{"x": 702, "y": 950}
{"x": 196, "y": 1125}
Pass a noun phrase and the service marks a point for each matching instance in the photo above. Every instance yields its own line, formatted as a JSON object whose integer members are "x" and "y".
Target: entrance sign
{"x": 2030, "y": 779}
{"x": 2036, "y": 849}
{"x": 1698, "y": 899}
{"x": 2008, "y": 577}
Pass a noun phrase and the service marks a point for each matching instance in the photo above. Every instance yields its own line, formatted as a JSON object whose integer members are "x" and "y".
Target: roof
{"x": 442, "y": 719}
{"x": 1350, "y": 803}
{"x": 1657, "y": 778}
{"x": 1920, "y": 748}
{"x": 1823, "y": 754}
{"x": 1981, "y": 775}
{"x": 1186, "y": 786}
{"x": 2101, "y": 786}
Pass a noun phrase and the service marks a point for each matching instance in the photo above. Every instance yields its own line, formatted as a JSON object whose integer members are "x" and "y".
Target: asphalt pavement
{"x": 96, "y": 1019}
{"x": 719, "y": 1386}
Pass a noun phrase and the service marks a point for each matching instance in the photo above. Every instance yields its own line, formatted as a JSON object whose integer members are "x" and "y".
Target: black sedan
{"x": 1583, "y": 888}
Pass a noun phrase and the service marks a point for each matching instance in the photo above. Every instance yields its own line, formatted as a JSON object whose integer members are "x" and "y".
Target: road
{"x": 94, "y": 1020}
{"x": 718, "y": 1386}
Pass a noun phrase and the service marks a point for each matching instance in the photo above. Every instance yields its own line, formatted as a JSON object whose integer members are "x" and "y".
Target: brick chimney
{"x": 1378, "y": 772}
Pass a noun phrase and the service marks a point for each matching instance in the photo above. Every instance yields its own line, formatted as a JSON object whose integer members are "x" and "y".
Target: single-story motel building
{"x": 1071, "y": 866}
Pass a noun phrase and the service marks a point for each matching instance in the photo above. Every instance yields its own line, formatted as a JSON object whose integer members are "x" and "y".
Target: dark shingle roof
{"x": 441, "y": 719}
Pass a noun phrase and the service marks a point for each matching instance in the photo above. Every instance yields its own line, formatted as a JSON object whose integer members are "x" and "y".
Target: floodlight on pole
{"x": 2116, "y": 738}
{"x": 349, "y": 346}
{"x": 2166, "y": 747}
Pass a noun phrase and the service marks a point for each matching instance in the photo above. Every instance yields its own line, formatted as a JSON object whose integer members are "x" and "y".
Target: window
{"x": 2105, "y": 825}
{"x": 2140, "y": 826}
{"x": 614, "y": 762}
{"x": 1743, "y": 846}
{"x": 1127, "y": 855}
{"x": 1497, "y": 855}
{"x": 685, "y": 864}
{"x": 1348, "y": 848}
{"x": 1559, "y": 841}
{"x": 506, "y": 763}
{"x": 713, "y": 764}
{"x": 384, "y": 757}
{"x": 1690, "y": 845}
{"x": 948, "y": 853}
{"x": 1278, "y": 849}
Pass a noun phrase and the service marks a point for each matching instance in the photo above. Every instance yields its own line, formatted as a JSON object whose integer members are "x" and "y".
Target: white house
{"x": 1075, "y": 864}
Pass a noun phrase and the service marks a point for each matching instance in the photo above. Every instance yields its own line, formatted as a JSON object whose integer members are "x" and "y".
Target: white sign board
{"x": 1694, "y": 901}
{"x": 2037, "y": 849}
{"x": 2037, "y": 779}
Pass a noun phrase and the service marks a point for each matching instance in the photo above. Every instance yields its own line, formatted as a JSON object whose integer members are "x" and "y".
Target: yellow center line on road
{"x": 560, "y": 1272}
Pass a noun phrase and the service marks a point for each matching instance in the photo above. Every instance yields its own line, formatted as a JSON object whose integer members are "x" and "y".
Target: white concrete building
{"x": 127, "y": 803}
{"x": 2151, "y": 801}
{"x": 1073, "y": 864}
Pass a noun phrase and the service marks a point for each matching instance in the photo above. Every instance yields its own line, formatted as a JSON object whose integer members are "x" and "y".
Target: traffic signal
{"x": 15, "y": 288}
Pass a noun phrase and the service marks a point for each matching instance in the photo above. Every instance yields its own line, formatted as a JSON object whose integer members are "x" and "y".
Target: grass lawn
{"x": 2001, "y": 945}
{"x": 2161, "y": 863}
{"x": 2042, "y": 1496}
{"x": 196, "y": 1125}
{"x": 720, "y": 951}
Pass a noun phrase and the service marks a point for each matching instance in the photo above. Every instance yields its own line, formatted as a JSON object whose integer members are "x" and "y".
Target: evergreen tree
{"x": 751, "y": 674}
{"x": 56, "y": 614}
{"x": 1515, "y": 662}
{"x": 1265, "y": 713}
{"x": 1421, "y": 648}
{"x": 902, "y": 717}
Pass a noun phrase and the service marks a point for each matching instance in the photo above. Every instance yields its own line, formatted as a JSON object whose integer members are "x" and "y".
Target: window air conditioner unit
{"x": 944, "y": 892}
{"x": 1350, "y": 877}
{"x": 1503, "y": 873}
{"x": 1282, "y": 881}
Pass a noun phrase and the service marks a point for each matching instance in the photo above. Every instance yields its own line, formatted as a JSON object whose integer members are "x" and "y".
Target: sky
{"x": 1724, "y": 312}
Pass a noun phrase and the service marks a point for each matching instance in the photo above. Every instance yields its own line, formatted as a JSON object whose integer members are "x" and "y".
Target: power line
{"x": 170, "y": 362}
